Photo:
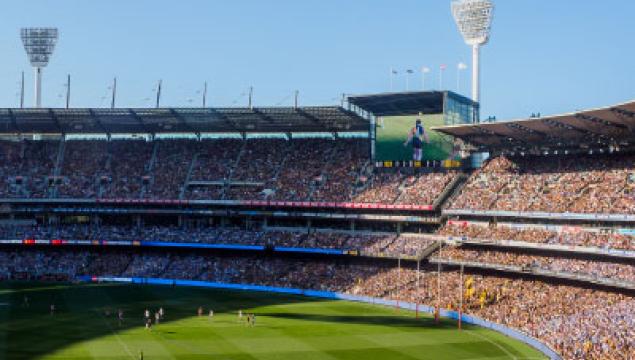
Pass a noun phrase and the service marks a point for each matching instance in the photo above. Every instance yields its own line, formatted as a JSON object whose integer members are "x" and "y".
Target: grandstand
{"x": 214, "y": 164}
{"x": 306, "y": 208}
{"x": 391, "y": 226}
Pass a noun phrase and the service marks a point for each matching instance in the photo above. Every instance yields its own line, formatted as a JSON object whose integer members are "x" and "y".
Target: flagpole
{"x": 392, "y": 72}
{"x": 424, "y": 71}
{"x": 205, "y": 94}
{"x": 460, "y": 67}
{"x": 408, "y": 73}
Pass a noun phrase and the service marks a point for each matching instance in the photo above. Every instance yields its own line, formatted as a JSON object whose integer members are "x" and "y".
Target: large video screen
{"x": 398, "y": 138}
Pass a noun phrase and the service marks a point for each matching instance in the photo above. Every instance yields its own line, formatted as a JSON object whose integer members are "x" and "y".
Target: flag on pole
{"x": 443, "y": 67}
{"x": 462, "y": 66}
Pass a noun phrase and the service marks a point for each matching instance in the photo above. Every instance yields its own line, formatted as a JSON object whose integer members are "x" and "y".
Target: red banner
{"x": 296, "y": 204}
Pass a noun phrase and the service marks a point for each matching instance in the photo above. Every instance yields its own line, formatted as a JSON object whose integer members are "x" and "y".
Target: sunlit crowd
{"x": 605, "y": 238}
{"x": 575, "y": 184}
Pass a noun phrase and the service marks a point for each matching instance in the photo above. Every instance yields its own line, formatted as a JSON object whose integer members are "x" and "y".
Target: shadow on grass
{"x": 31, "y": 332}
{"x": 381, "y": 320}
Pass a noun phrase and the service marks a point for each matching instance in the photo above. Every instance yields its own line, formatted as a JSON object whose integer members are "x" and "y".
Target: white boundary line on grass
{"x": 123, "y": 344}
{"x": 473, "y": 333}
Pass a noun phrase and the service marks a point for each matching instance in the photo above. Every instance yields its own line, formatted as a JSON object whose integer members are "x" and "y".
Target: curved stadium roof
{"x": 405, "y": 103}
{"x": 602, "y": 127}
{"x": 180, "y": 120}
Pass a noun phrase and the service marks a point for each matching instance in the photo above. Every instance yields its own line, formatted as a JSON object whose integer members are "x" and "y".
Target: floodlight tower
{"x": 474, "y": 20}
{"x": 39, "y": 44}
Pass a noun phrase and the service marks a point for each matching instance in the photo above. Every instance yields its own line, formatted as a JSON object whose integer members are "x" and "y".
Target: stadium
{"x": 392, "y": 225}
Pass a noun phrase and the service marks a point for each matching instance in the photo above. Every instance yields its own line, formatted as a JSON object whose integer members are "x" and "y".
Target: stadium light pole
{"x": 39, "y": 44}
{"x": 393, "y": 72}
{"x": 424, "y": 71}
{"x": 441, "y": 70}
{"x": 474, "y": 20}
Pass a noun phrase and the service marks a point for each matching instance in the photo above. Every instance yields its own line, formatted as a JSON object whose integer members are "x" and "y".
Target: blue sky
{"x": 545, "y": 56}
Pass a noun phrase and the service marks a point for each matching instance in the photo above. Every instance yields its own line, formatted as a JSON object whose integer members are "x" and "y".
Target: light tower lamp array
{"x": 474, "y": 20}
{"x": 39, "y": 44}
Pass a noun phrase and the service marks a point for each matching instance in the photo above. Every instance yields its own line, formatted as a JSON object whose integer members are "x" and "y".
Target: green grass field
{"x": 287, "y": 327}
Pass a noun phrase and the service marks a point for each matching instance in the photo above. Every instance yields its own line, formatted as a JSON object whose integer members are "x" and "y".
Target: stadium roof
{"x": 180, "y": 120}
{"x": 405, "y": 103}
{"x": 602, "y": 127}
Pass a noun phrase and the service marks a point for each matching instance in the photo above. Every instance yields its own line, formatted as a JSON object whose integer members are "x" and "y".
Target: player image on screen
{"x": 411, "y": 138}
{"x": 417, "y": 136}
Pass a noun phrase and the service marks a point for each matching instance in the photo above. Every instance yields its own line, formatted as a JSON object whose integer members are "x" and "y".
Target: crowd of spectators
{"x": 383, "y": 188}
{"x": 81, "y": 173}
{"x": 349, "y": 160}
{"x": 595, "y": 268}
{"x": 129, "y": 164}
{"x": 399, "y": 246}
{"x": 575, "y": 184}
{"x": 105, "y": 263}
{"x": 425, "y": 188}
{"x": 35, "y": 264}
{"x": 313, "y": 169}
{"x": 143, "y": 233}
{"x": 146, "y": 264}
{"x": 571, "y": 236}
{"x": 382, "y": 245}
{"x": 214, "y": 161}
{"x": 170, "y": 168}
{"x": 303, "y": 169}
{"x": 258, "y": 165}
{"x": 375, "y": 245}
{"x": 27, "y": 168}
{"x": 579, "y": 323}
{"x": 401, "y": 188}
